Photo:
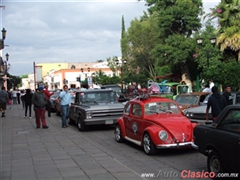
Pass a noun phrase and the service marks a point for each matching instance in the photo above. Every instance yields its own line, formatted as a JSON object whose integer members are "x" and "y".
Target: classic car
{"x": 53, "y": 100}
{"x": 117, "y": 89}
{"x": 58, "y": 103}
{"x": 198, "y": 114}
{"x": 155, "y": 123}
{"x": 188, "y": 100}
{"x": 220, "y": 141}
{"x": 95, "y": 107}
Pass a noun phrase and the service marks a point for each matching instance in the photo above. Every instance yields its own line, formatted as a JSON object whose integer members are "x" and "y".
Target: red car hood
{"x": 179, "y": 127}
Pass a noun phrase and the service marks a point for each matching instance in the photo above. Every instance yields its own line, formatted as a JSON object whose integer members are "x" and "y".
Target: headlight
{"x": 163, "y": 135}
{"x": 89, "y": 114}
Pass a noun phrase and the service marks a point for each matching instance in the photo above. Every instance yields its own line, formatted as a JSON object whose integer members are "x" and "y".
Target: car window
{"x": 237, "y": 98}
{"x": 127, "y": 108}
{"x": 231, "y": 121}
{"x": 187, "y": 99}
{"x": 136, "y": 110}
{"x": 98, "y": 97}
{"x": 161, "y": 107}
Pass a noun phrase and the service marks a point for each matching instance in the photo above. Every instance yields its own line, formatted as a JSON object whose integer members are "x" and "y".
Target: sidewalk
{"x": 56, "y": 153}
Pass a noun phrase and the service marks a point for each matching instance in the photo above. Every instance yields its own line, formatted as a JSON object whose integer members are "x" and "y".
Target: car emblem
{"x": 134, "y": 127}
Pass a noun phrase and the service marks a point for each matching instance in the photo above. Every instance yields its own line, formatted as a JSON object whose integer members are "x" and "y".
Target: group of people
{"x": 40, "y": 100}
{"x": 218, "y": 102}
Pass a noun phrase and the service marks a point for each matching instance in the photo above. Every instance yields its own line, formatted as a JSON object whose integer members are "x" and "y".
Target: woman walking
{"x": 27, "y": 98}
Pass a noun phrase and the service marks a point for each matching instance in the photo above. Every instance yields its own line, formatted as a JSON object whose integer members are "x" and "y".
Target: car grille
{"x": 200, "y": 116}
{"x": 107, "y": 112}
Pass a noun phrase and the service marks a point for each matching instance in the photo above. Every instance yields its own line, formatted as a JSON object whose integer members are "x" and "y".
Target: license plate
{"x": 109, "y": 122}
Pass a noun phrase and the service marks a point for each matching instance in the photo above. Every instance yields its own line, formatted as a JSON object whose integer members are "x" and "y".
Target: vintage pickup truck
{"x": 94, "y": 107}
{"x": 220, "y": 141}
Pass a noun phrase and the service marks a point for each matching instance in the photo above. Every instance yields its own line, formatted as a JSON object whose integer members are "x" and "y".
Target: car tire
{"x": 71, "y": 121}
{"x": 118, "y": 134}
{"x": 80, "y": 124}
{"x": 148, "y": 146}
{"x": 214, "y": 163}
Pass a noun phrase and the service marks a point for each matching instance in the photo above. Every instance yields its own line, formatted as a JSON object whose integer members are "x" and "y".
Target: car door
{"x": 134, "y": 123}
{"x": 228, "y": 140}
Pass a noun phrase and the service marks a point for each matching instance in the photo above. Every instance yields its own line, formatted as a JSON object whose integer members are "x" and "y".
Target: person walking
{"x": 18, "y": 96}
{"x": 14, "y": 96}
{"x": 27, "y": 98}
{"x": 49, "y": 104}
{"x": 21, "y": 97}
{"x": 65, "y": 98}
{"x": 3, "y": 101}
{"x": 9, "y": 98}
{"x": 39, "y": 101}
{"x": 217, "y": 103}
{"x": 227, "y": 95}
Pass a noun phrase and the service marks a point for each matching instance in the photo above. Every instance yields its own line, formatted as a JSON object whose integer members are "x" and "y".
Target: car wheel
{"x": 214, "y": 163}
{"x": 148, "y": 146}
{"x": 80, "y": 124}
{"x": 71, "y": 121}
{"x": 118, "y": 134}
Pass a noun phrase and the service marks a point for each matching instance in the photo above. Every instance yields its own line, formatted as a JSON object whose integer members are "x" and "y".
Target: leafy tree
{"x": 13, "y": 81}
{"x": 177, "y": 21}
{"x": 228, "y": 14}
{"x": 141, "y": 37}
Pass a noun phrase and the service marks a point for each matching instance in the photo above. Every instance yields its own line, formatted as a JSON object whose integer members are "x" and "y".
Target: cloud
{"x": 64, "y": 31}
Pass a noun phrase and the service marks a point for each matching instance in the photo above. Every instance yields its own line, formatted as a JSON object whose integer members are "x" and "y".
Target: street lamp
{"x": 3, "y": 38}
{"x": 7, "y": 56}
{"x": 124, "y": 62}
{"x": 213, "y": 41}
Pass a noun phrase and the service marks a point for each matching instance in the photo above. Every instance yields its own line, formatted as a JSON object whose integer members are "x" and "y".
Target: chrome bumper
{"x": 176, "y": 145}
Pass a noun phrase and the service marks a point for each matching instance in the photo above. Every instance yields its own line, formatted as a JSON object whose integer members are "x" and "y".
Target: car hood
{"x": 199, "y": 109}
{"x": 101, "y": 106}
{"x": 179, "y": 127}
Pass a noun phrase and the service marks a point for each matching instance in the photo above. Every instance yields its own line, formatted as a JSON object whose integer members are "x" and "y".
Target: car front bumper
{"x": 101, "y": 121}
{"x": 201, "y": 121}
{"x": 176, "y": 145}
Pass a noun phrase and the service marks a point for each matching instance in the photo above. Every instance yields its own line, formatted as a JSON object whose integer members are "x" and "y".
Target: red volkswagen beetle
{"x": 155, "y": 123}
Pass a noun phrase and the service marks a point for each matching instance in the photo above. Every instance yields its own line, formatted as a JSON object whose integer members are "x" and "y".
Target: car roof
{"x": 152, "y": 99}
{"x": 110, "y": 85}
{"x": 94, "y": 90}
{"x": 194, "y": 93}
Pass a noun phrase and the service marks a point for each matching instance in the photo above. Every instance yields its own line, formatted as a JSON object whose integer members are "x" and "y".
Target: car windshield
{"x": 115, "y": 89}
{"x": 187, "y": 99}
{"x": 98, "y": 97}
{"x": 161, "y": 107}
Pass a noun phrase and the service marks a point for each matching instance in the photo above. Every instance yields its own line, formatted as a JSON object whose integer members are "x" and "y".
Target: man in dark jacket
{"x": 217, "y": 103}
{"x": 227, "y": 95}
{"x": 39, "y": 101}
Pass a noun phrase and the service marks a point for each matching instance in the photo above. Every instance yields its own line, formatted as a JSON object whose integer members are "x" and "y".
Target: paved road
{"x": 61, "y": 154}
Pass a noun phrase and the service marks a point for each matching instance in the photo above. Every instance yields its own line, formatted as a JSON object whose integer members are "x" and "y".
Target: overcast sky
{"x": 66, "y": 30}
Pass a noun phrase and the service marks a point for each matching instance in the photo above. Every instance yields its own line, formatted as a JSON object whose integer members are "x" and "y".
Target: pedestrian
{"x": 211, "y": 84}
{"x": 227, "y": 95}
{"x": 3, "y": 101}
{"x": 217, "y": 103}
{"x": 206, "y": 89}
{"x": 65, "y": 104}
{"x": 27, "y": 98}
{"x": 14, "y": 96}
{"x": 9, "y": 98}
{"x": 18, "y": 96}
{"x": 39, "y": 101}
{"x": 21, "y": 97}
{"x": 49, "y": 104}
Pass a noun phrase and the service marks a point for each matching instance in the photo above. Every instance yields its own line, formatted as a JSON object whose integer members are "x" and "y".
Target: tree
{"x": 177, "y": 20}
{"x": 141, "y": 37}
{"x": 228, "y": 14}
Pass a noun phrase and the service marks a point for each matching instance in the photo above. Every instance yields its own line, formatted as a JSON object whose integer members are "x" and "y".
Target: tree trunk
{"x": 186, "y": 76}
